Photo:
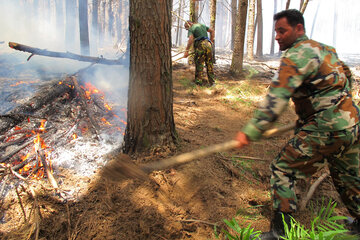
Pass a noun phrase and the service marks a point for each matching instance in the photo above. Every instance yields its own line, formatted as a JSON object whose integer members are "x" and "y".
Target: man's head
{"x": 289, "y": 25}
{"x": 188, "y": 24}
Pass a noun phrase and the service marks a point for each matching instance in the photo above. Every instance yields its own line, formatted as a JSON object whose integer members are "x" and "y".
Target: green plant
{"x": 246, "y": 233}
{"x": 324, "y": 226}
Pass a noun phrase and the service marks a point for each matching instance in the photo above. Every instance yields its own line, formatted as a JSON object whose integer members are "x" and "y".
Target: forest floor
{"x": 188, "y": 201}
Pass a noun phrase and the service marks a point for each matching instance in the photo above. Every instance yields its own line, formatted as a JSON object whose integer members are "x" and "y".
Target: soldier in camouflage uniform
{"x": 327, "y": 132}
{"x": 198, "y": 36}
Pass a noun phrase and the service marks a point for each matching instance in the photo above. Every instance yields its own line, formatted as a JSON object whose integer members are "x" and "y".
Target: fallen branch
{"x": 44, "y": 52}
{"x": 311, "y": 191}
{"x": 9, "y": 155}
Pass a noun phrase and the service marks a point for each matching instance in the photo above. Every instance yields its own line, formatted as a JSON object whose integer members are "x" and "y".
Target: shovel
{"x": 122, "y": 167}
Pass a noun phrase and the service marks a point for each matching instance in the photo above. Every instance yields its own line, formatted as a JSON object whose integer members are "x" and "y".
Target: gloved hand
{"x": 242, "y": 139}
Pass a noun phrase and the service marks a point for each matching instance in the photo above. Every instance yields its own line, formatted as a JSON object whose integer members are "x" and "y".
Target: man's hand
{"x": 186, "y": 54}
{"x": 242, "y": 139}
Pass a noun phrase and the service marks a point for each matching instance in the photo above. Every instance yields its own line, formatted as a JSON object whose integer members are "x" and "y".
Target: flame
{"x": 22, "y": 82}
{"x": 106, "y": 121}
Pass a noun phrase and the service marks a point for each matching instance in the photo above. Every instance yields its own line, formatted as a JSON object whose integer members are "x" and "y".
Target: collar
{"x": 300, "y": 39}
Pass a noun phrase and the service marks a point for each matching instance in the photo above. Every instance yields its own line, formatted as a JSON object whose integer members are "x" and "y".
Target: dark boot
{"x": 277, "y": 227}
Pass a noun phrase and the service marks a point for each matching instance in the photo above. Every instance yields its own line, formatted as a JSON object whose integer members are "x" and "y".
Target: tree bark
{"x": 287, "y": 4}
{"x": 304, "y": 5}
{"x": 259, "y": 44}
{"x": 251, "y": 31}
{"x": 150, "y": 120}
{"x": 238, "y": 53}
{"x": 212, "y": 14}
{"x": 193, "y": 13}
{"x": 84, "y": 28}
{"x": 233, "y": 20}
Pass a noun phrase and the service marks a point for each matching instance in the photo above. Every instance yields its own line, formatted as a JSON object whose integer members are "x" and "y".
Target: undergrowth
{"x": 325, "y": 225}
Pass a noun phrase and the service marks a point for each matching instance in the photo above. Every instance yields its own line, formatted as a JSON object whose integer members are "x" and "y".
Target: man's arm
{"x": 189, "y": 44}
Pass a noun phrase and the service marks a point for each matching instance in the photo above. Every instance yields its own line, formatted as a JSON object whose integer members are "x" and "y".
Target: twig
{"x": 21, "y": 204}
{"x": 198, "y": 221}
{"x": 49, "y": 175}
{"x": 311, "y": 191}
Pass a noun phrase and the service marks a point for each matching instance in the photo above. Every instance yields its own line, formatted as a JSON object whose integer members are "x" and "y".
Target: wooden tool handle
{"x": 187, "y": 157}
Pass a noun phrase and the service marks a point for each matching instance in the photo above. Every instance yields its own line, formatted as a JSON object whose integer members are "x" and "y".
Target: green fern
{"x": 324, "y": 226}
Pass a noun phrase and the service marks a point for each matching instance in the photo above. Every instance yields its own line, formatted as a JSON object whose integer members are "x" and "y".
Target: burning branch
{"x": 44, "y": 52}
{"x": 85, "y": 105}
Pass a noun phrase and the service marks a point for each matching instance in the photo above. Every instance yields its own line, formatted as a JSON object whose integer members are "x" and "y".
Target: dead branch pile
{"x": 58, "y": 114}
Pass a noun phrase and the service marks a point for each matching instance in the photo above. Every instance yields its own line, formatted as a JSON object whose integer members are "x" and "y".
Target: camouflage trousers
{"x": 306, "y": 153}
{"x": 203, "y": 56}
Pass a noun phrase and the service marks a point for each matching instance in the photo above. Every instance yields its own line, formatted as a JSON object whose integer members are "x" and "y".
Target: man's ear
{"x": 300, "y": 29}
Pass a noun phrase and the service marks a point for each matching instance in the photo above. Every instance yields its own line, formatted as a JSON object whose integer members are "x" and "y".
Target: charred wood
{"x": 84, "y": 104}
{"x": 45, "y": 96}
{"x": 69, "y": 55}
{"x": 12, "y": 153}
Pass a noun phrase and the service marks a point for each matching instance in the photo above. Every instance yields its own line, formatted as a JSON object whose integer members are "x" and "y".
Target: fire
{"x": 22, "y": 82}
{"x": 106, "y": 121}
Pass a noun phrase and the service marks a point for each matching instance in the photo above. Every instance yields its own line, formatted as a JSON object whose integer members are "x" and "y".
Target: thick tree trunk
{"x": 259, "y": 44}
{"x": 150, "y": 121}
{"x": 251, "y": 31}
{"x": 84, "y": 28}
{"x": 238, "y": 53}
{"x": 233, "y": 20}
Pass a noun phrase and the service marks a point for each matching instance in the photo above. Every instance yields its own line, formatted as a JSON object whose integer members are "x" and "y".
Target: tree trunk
{"x": 272, "y": 50}
{"x": 179, "y": 23}
{"x": 259, "y": 44}
{"x": 95, "y": 26}
{"x": 233, "y": 21}
{"x": 70, "y": 24}
{"x": 150, "y": 121}
{"x": 251, "y": 31}
{"x": 84, "y": 29}
{"x": 301, "y": 4}
{"x": 60, "y": 16}
{"x": 193, "y": 13}
{"x": 238, "y": 53}
{"x": 304, "y": 5}
{"x": 287, "y": 4}
{"x": 110, "y": 18}
{"x": 212, "y": 14}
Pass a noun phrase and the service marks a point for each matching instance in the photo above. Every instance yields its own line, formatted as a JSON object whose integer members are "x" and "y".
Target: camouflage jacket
{"x": 318, "y": 83}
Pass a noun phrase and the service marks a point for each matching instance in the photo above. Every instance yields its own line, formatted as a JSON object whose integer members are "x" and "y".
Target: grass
{"x": 325, "y": 225}
{"x": 244, "y": 94}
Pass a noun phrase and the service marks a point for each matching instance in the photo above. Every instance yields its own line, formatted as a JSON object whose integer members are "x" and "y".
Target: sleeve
{"x": 294, "y": 68}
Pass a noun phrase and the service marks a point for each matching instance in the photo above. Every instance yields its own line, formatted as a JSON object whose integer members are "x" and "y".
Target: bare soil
{"x": 185, "y": 202}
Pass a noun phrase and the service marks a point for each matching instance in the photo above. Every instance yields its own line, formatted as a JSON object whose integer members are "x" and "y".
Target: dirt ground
{"x": 185, "y": 202}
